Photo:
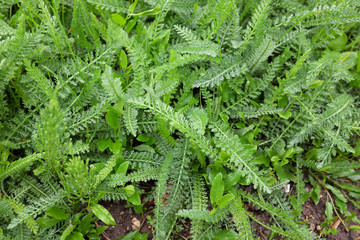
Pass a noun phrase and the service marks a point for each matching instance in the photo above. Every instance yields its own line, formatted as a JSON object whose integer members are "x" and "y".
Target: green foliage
{"x": 201, "y": 99}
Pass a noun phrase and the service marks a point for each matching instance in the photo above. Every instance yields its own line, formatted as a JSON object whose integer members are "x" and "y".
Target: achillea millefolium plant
{"x": 221, "y": 102}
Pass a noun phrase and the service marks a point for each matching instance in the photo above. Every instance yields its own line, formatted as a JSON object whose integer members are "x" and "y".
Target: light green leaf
{"x": 133, "y": 6}
{"x": 156, "y": 10}
{"x": 123, "y": 168}
{"x": 75, "y": 236}
{"x": 115, "y": 146}
{"x": 119, "y": 107}
{"x": 129, "y": 189}
{"x": 118, "y": 19}
{"x": 354, "y": 227}
{"x": 135, "y": 199}
{"x": 224, "y": 200}
{"x": 232, "y": 179}
{"x": 226, "y": 235}
{"x": 329, "y": 210}
{"x": 103, "y": 214}
{"x": 217, "y": 188}
{"x": 285, "y": 115}
{"x": 316, "y": 83}
{"x": 123, "y": 59}
{"x": 112, "y": 118}
{"x": 142, "y": 137}
{"x": 338, "y": 43}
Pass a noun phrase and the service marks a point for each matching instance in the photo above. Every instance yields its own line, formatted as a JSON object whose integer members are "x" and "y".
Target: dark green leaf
{"x": 84, "y": 226}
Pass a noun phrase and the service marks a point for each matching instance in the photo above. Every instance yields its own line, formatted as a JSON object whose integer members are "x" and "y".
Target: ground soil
{"x": 313, "y": 215}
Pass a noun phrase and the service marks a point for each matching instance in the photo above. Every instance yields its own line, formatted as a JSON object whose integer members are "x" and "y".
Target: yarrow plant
{"x": 219, "y": 103}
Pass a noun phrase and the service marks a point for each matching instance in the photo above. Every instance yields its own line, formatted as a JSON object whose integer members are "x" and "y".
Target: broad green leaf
{"x": 226, "y": 235}
{"x": 130, "y": 25}
{"x": 75, "y": 236}
{"x": 103, "y": 144}
{"x": 115, "y": 146}
{"x": 98, "y": 166}
{"x": 100, "y": 230}
{"x": 217, "y": 188}
{"x": 316, "y": 83}
{"x": 133, "y": 6}
{"x": 123, "y": 168}
{"x": 134, "y": 199}
{"x": 118, "y": 19}
{"x": 213, "y": 211}
{"x": 142, "y": 138}
{"x": 123, "y": 59}
{"x": 315, "y": 194}
{"x": 119, "y": 107}
{"x": 338, "y": 43}
{"x": 261, "y": 160}
{"x": 285, "y": 172}
{"x": 247, "y": 151}
{"x": 285, "y": 115}
{"x": 134, "y": 236}
{"x": 144, "y": 148}
{"x": 329, "y": 210}
{"x": 232, "y": 179}
{"x": 216, "y": 171}
{"x": 224, "y": 200}
{"x": 46, "y": 222}
{"x": 68, "y": 230}
{"x": 57, "y": 212}
{"x": 129, "y": 189}
{"x": 84, "y": 225}
{"x": 129, "y": 236}
{"x": 296, "y": 205}
{"x": 103, "y": 214}
{"x": 112, "y": 118}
